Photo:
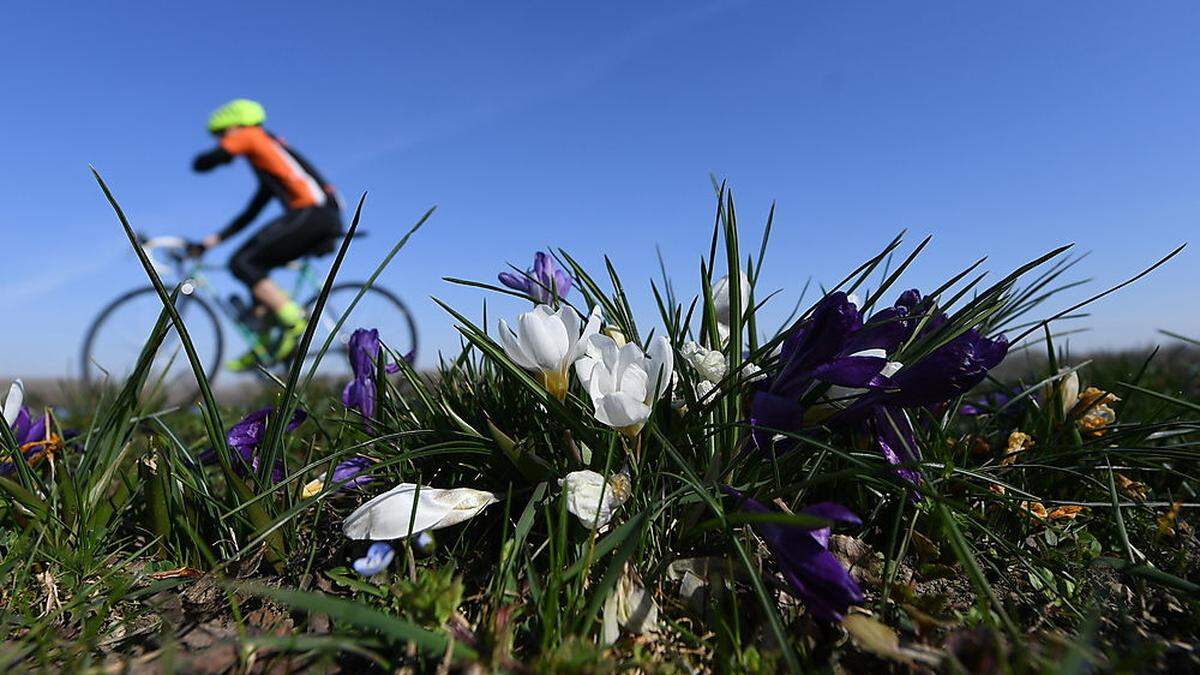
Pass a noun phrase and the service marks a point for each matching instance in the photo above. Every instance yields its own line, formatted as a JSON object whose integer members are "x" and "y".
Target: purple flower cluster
{"x": 837, "y": 366}
{"x": 245, "y": 437}
{"x": 803, "y": 557}
{"x": 542, "y": 283}
{"x": 360, "y": 393}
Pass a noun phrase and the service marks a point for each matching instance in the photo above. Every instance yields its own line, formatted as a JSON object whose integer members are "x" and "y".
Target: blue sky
{"x": 1003, "y": 129}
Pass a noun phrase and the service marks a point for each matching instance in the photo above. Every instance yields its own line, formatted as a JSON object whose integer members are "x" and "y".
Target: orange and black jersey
{"x": 282, "y": 173}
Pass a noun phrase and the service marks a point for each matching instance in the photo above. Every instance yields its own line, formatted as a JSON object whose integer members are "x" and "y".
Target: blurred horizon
{"x": 1003, "y": 131}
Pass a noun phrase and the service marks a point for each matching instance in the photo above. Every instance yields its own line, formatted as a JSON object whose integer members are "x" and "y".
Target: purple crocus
{"x": 950, "y": 370}
{"x": 30, "y": 433}
{"x": 897, "y": 441}
{"x": 803, "y": 558}
{"x": 245, "y": 437}
{"x": 542, "y": 283}
{"x": 360, "y": 393}
{"x": 996, "y": 402}
{"x": 837, "y": 368}
{"x": 829, "y": 358}
{"x": 27, "y": 428}
{"x": 349, "y": 474}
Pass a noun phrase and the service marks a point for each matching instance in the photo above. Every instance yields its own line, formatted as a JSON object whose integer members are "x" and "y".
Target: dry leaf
{"x": 1066, "y": 512}
{"x": 1035, "y": 509}
{"x": 874, "y": 637}
{"x": 1132, "y": 488}
{"x": 1018, "y": 442}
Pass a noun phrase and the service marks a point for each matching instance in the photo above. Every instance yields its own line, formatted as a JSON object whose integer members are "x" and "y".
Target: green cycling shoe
{"x": 290, "y": 339}
{"x": 284, "y": 348}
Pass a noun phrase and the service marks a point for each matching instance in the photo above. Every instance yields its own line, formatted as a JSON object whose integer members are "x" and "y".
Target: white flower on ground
{"x": 547, "y": 342}
{"x": 583, "y": 492}
{"x": 720, "y": 295}
{"x": 14, "y": 401}
{"x": 388, "y": 516}
{"x": 631, "y": 607}
{"x": 709, "y": 363}
{"x": 623, "y": 382}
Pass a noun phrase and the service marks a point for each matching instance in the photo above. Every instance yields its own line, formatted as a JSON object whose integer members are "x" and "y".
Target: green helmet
{"x": 239, "y": 112}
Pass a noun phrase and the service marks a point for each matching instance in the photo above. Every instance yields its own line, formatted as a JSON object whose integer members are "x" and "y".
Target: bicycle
{"x": 115, "y": 338}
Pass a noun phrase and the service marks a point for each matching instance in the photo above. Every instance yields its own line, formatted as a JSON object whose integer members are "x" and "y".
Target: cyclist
{"x": 311, "y": 218}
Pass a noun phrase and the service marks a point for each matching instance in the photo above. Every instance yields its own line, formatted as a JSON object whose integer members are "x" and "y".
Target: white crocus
{"x": 409, "y": 508}
{"x": 751, "y": 372}
{"x": 14, "y": 401}
{"x": 720, "y": 296}
{"x": 583, "y": 492}
{"x": 708, "y": 363}
{"x": 548, "y": 342}
{"x": 624, "y": 382}
{"x": 1065, "y": 388}
{"x": 616, "y": 334}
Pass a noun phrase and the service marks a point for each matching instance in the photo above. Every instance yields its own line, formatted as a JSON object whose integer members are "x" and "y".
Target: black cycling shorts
{"x": 290, "y": 236}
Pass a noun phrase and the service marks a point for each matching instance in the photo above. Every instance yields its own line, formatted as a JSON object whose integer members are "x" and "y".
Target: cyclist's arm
{"x": 260, "y": 199}
{"x": 207, "y": 161}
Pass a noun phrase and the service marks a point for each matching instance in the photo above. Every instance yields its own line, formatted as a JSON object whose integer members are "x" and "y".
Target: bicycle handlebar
{"x": 175, "y": 248}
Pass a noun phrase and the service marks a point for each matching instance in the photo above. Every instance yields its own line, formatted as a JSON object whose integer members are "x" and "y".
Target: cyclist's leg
{"x": 289, "y": 237}
{"x": 245, "y": 266}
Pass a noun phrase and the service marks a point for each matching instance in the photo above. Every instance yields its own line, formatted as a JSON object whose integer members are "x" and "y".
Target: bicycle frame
{"x": 196, "y": 282}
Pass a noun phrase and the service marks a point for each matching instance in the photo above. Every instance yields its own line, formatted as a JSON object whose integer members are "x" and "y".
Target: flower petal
{"x": 595, "y": 318}
{"x": 619, "y": 410}
{"x": 770, "y": 414}
{"x": 409, "y": 508}
{"x": 661, "y": 364}
{"x": 897, "y": 442}
{"x": 544, "y": 337}
{"x": 514, "y": 349}
{"x": 14, "y": 401}
{"x": 517, "y": 283}
{"x": 378, "y": 557}
{"x": 583, "y": 489}
{"x": 570, "y": 322}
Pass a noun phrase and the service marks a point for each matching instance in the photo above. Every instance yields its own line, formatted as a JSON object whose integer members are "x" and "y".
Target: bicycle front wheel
{"x": 117, "y": 336}
{"x": 378, "y": 308}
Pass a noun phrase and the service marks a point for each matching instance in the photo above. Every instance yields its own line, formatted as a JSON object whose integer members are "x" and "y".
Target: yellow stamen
{"x": 556, "y": 383}
{"x": 616, "y": 335}
{"x": 312, "y": 488}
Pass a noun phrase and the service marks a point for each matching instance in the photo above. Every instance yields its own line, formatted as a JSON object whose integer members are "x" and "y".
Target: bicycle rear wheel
{"x": 116, "y": 337}
{"x": 379, "y": 308}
